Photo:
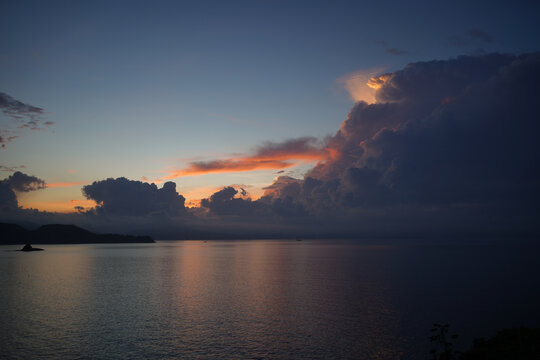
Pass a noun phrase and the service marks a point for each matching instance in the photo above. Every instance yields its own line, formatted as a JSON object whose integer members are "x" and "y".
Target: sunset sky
{"x": 209, "y": 94}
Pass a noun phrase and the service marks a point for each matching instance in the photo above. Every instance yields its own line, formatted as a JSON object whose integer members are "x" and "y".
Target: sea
{"x": 263, "y": 299}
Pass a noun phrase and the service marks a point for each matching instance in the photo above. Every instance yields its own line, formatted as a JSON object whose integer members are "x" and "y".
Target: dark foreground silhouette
{"x": 12, "y": 234}
{"x": 29, "y": 247}
{"x": 519, "y": 343}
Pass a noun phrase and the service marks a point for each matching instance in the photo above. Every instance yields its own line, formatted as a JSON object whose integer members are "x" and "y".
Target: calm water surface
{"x": 269, "y": 299}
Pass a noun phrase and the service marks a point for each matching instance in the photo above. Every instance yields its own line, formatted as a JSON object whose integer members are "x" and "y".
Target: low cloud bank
{"x": 134, "y": 198}
{"x": 447, "y": 147}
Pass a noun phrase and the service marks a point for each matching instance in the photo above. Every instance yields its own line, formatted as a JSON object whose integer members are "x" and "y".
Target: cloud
{"x": 282, "y": 187}
{"x": 224, "y": 202}
{"x": 8, "y": 199}
{"x": 448, "y": 147}
{"x": 358, "y": 84}
{"x": 17, "y": 109}
{"x": 395, "y": 51}
{"x": 233, "y": 204}
{"x": 22, "y": 115}
{"x": 270, "y": 155}
{"x": 473, "y": 37}
{"x": 17, "y": 182}
{"x": 390, "y": 49}
{"x": 6, "y": 137}
{"x": 11, "y": 168}
{"x": 21, "y": 182}
{"x": 125, "y": 197}
{"x": 444, "y": 139}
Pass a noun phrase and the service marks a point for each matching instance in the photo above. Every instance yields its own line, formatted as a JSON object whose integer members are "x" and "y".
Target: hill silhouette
{"x": 13, "y": 234}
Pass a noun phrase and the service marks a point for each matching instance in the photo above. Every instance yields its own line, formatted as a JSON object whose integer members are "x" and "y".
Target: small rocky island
{"x": 13, "y": 234}
{"x": 29, "y": 247}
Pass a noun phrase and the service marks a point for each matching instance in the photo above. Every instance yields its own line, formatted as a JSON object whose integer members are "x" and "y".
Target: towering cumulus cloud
{"x": 448, "y": 144}
{"x": 18, "y": 182}
{"x": 134, "y": 198}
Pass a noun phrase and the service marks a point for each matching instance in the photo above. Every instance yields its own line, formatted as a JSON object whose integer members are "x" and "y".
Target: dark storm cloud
{"x": 224, "y": 202}
{"x": 273, "y": 211}
{"x": 134, "y": 198}
{"x": 445, "y": 137}
{"x": 8, "y": 199}
{"x": 17, "y": 182}
{"x": 23, "y": 183}
{"x": 278, "y": 203}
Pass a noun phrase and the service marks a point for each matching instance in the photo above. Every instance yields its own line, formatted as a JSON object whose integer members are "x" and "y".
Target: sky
{"x": 247, "y": 94}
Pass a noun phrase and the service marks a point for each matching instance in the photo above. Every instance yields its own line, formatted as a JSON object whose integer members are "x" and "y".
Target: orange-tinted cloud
{"x": 65, "y": 184}
{"x": 270, "y": 156}
{"x": 362, "y": 84}
{"x": 229, "y": 165}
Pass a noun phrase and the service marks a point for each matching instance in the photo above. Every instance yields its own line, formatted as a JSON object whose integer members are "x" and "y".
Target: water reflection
{"x": 254, "y": 299}
{"x": 44, "y": 296}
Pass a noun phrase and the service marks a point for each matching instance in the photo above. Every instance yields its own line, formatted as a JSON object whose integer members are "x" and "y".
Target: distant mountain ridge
{"x": 13, "y": 234}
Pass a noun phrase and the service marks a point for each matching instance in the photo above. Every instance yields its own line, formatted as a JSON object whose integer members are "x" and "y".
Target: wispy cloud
{"x": 6, "y": 137}
{"x": 22, "y": 116}
{"x": 11, "y": 168}
{"x": 17, "y": 109}
{"x": 391, "y": 49}
{"x": 471, "y": 38}
{"x": 269, "y": 156}
{"x": 396, "y": 51}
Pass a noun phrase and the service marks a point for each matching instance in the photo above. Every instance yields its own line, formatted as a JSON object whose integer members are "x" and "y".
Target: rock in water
{"x": 29, "y": 247}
